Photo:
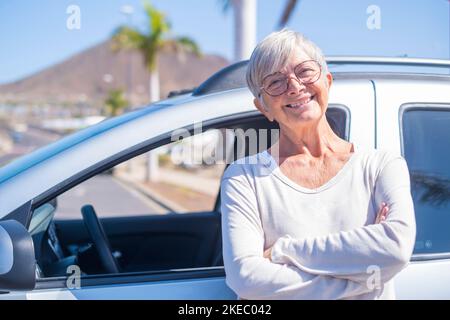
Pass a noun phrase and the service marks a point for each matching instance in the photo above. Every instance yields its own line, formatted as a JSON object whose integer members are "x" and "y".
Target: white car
{"x": 173, "y": 251}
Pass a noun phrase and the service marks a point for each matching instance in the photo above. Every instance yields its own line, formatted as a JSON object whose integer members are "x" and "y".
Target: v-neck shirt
{"x": 263, "y": 208}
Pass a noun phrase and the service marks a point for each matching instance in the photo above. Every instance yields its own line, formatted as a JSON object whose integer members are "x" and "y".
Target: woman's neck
{"x": 316, "y": 141}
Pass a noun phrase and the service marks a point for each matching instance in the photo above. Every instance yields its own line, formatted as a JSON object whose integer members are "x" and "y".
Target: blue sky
{"x": 34, "y": 34}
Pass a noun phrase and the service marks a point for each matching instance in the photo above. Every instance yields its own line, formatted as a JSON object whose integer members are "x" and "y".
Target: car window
{"x": 180, "y": 177}
{"x": 425, "y": 135}
{"x": 338, "y": 117}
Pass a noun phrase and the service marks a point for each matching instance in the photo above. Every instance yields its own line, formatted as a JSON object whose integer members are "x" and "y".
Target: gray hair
{"x": 273, "y": 52}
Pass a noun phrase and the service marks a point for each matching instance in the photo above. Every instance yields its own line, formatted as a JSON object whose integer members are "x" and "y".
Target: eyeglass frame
{"x": 289, "y": 77}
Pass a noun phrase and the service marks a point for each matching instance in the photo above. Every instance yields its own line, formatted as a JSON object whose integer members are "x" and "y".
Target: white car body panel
{"x": 201, "y": 289}
{"x": 358, "y": 96}
{"x": 391, "y": 94}
{"x": 424, "y": 280}
{"x": 421, "y": 279}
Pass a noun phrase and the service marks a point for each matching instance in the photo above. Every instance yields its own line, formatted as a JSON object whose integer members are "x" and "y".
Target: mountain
{"x": 88, "y": 76}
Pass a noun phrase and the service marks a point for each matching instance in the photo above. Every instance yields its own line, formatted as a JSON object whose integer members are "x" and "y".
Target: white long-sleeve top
{"x": 326, "y": 244}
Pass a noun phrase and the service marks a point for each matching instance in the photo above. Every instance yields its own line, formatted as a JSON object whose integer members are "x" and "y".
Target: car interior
{"x": 152, "y": 243}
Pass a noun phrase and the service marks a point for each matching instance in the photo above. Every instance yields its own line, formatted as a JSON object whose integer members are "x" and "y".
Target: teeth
{"x": 299, "y": 104}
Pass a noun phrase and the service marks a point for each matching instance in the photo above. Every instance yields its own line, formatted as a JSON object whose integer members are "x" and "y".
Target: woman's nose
{"x": 294, "y": 86}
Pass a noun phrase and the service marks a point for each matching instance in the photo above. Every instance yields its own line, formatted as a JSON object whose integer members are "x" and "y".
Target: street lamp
{"x": 128, "y": 11}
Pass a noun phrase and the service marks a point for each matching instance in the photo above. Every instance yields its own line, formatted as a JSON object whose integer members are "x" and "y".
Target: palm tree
{"x": 244, "y": 26}
{"x": 429, "y": 188}
{"x": 287, "y": 13}
{"x": 150, "y": 43}
{"x": 115, "y": 102}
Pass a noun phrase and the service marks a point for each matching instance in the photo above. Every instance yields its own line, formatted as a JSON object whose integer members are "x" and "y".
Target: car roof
{"x": 347, "y": 67}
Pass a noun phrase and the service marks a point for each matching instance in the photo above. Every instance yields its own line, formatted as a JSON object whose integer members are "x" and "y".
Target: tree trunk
{"x": 152, "y": 171}
{"x": 154, "y": 85}
{"x": 244, "y": 28}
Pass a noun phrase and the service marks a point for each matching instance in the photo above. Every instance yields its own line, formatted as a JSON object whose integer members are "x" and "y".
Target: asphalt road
{"x": 110, "y": 198}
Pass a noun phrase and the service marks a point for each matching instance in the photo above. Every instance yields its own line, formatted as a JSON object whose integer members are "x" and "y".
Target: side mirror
{"x": 17, "y": 259}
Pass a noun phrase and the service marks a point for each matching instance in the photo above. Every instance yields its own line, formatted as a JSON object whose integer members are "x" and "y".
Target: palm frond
{"x": 127, "y": 38}
{"x": 154, "y": 40}
{"x": 287, "y": 13}
{"x": 180, "y": 46}
{"x": 157, "y": 19}
{"x": 433, "y": 189}
{"x": 189, "y": 44}
{"x": 115, "y": 102}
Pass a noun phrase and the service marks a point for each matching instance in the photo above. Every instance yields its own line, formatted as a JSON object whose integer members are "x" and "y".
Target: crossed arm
{"x": 313, "y": 268}
{"x": 381, "y": 216}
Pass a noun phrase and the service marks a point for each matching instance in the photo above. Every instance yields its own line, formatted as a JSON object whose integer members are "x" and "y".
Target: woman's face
{"x": 301, "y": 103}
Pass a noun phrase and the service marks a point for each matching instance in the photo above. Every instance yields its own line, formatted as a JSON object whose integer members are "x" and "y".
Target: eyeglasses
{"x": 277, "y": 83}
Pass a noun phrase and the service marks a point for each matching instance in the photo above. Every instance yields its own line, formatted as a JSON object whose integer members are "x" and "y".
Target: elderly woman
{"x": 314, "y": 216}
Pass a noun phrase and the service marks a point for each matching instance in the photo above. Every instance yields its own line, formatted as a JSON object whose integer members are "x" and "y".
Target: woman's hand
{"x": 268, "y": 253}
{"x": 382, "y": 214}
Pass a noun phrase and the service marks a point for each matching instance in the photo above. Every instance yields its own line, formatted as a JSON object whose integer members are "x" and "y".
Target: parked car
{"x": 179, "y": 256}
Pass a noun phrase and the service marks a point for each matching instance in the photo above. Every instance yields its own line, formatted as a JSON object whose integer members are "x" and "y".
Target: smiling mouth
{"x": 299, "y": 105}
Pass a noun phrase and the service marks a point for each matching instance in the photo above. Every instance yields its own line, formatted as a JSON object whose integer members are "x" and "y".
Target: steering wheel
{"x": 100, "y": 239}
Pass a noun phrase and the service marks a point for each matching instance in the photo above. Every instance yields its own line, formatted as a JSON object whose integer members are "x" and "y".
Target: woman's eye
{"x": 306, "y": 71}
{"x": 276, "y": 83}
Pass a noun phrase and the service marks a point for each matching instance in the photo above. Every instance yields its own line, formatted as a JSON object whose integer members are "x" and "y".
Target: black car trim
{"x": 430, "y": 256}
{"x": 348, "y": 116}
{"x": 389, "y": 76}
{"x": 416, "y": 106}
{"x": 375, "y": 114}
{"x": 21, "y": 214}
{"x": 133, "y": 277}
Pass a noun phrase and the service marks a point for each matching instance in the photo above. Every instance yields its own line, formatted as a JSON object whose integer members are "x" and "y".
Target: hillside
{"x": 89, "y": 75}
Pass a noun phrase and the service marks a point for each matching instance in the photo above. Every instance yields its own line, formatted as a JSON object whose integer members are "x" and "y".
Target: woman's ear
{"x": 258, "y": 105}
{"x": 329, "y": 79}
{"x": 262, "y": 108}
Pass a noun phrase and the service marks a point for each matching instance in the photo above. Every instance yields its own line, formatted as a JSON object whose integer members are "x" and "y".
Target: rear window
{"x": 426, "y": 146}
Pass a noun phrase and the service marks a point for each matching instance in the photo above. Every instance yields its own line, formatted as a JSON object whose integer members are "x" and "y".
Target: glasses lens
{"x": 308, "y": 71}
{"x": 275, "y": 84}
